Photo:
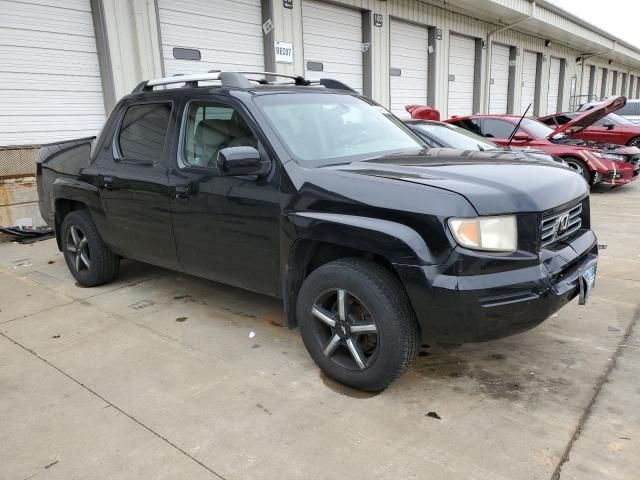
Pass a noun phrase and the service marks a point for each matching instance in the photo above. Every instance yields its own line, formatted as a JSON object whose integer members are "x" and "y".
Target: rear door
{"x": 226, "y": 228}
{"x": 133, "y": 184}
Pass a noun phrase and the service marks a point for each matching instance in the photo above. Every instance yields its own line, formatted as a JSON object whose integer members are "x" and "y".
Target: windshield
{"x": 451, "y": 136}
{"x": 325, "y": 129}
{"x": 535, "y": 128}
{"x": 618, "y": 120}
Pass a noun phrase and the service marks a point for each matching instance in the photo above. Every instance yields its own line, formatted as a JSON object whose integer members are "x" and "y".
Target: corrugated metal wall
{"x": 287, "y": 24}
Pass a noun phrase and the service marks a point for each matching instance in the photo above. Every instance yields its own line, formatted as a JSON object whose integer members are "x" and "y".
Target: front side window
{"x": 144, "y": 131}
{"x": 210, "y": 128}
{"x": 492, "y": 128}
{"x": 323, "y": 128}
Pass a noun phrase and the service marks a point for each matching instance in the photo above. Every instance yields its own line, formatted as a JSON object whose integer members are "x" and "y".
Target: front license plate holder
{"x": 587, "y": 282}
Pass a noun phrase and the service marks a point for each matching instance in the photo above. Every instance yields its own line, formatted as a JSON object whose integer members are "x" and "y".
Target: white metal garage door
{"x": 554, "y": 85}
{"x": 332, "y": 41}
{"x": 584, "y": 89}
{"x": 499, "y": 87}
{"x": 228, "y": 35}
{"x": 50, "y": 87}
{"x": 462, "y": 59}
{"x": 408, "y": 61}
{"x": 529, "y": 74}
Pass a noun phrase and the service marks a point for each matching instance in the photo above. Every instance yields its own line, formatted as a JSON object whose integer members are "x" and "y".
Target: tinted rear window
{"x": 144, "y": 131}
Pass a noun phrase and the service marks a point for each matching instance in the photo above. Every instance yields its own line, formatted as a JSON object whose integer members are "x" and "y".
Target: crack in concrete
{"x": 129, "y": 416}
{"x": 589, "y": 409}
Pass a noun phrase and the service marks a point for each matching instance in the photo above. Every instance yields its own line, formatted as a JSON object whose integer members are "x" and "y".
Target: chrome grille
{"x": 560, "y": 225}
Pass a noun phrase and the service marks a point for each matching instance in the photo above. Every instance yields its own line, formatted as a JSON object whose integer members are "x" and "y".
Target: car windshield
{"x": 535, "y": 128}
{"x": 320, "y": 129}
{"x": 451, "y": 136}
{"x": 618, "y": 120}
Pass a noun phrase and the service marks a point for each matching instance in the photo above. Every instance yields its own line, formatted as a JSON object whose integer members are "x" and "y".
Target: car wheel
{"x": 634, "y": 142}
{"x": 579, "y": 167}
{"x": 357, "y": 324}
{"x": 89, "y": 260}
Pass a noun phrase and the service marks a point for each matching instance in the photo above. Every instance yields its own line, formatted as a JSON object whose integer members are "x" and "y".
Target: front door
{"x": 226, "y": 228}
{"x": 133, "y": 186}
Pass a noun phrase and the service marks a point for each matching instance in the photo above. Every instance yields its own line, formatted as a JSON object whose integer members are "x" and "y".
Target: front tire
{"x": 634, "y": 142}
{"x": 89, "y": 260}
{"x": 357, "y": 324}
{"x": 579, "y": 167}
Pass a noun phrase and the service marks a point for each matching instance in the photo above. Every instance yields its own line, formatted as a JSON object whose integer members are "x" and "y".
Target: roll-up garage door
{"x": 499, "y": 87}
{"x": 584, "y": 89}
{"x": 408, "y": 66}
{"x": 198, "y": 36}
{"x": 462, "y": 59}
{"x": 529, "y": 75}
{"x": 332, "y": 40}
{"x": 50, "y": 85}
{"x": 600, "y": 83}
{"x": 632, "y": 80}
{"x": 554, "y": 85}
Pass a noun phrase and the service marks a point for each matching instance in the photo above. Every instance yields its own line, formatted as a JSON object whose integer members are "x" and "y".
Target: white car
{"x": 631, "y": 111}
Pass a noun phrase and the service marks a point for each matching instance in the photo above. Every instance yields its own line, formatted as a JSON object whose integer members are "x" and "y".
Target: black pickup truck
{"x": 316, "y": 195}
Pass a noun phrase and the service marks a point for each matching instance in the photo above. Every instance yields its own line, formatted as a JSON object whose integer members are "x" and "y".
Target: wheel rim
{"x": 78, "y": 248}
{"x": 635, "y": 143}
{"x": 575, "y": 166}
{"x": 345, "y": 329}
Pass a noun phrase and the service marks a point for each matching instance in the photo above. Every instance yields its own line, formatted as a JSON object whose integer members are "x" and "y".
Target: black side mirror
{"x": 609, "y": 126}
{"x": 238, "y": 161}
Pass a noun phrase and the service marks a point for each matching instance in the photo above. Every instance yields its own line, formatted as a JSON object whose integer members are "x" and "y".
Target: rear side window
{"x": 144, "y": 131}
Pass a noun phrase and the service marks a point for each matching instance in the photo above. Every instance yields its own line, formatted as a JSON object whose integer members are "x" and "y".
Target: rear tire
{"x": 89, "y": 260}
{"x": 579, "y": 167}
{"x": 373, "y": 338}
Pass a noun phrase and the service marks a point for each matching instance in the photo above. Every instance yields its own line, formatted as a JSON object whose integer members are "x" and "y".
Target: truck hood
{"x": 494, "y": 182}
{"x": 589, "y": 117}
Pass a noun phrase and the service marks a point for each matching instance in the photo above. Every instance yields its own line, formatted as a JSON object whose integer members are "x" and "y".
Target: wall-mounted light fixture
{"x": 547, "y": 43}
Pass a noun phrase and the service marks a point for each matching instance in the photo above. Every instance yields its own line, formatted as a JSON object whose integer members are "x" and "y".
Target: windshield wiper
{"x": 513, "y": 134}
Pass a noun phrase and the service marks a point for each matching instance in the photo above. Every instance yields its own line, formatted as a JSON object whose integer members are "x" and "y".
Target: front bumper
{"x": 619, "y": 173}
{"x": 460, "y": 309}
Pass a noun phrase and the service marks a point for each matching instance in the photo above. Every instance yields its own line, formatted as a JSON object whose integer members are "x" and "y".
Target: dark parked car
{"x": 321, "y": 197}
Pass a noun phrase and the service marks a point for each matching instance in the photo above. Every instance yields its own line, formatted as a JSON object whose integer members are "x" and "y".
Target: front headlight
{"x": 497, "y": 234}
{"x": 613, "y": 156}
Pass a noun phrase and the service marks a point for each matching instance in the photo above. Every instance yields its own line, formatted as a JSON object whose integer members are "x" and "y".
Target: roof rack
{"x": 237, "y": 80}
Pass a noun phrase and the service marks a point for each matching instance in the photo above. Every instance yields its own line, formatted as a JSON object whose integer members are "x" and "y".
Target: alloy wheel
{"x": 78, "y": 247}
{"x": 345, "y": 329}
{"x": 575, "y": 166}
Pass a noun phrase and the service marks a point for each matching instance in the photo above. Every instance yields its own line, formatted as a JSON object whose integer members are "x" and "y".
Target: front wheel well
{"x": 306, "y": 256}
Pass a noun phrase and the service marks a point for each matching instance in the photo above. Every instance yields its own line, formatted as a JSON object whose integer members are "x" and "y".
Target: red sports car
{"x": 597, "y": 162}
{"x": 611, "y": 129}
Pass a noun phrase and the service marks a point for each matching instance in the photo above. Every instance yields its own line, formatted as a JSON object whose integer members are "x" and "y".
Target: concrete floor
{"x": 156, "y": 376}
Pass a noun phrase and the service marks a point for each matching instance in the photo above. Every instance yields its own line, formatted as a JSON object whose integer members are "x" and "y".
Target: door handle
{"x": 107, "y": 182}
{"x": 182, "y": 192}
